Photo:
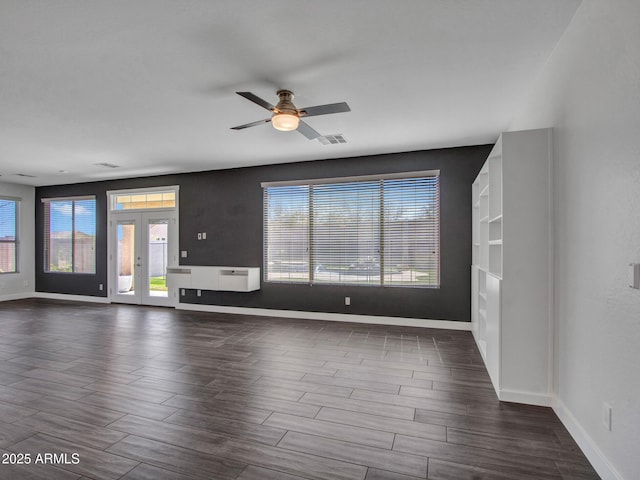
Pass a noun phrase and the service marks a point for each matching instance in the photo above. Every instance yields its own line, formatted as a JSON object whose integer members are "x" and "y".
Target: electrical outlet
{"x": 183, "y": 292}
{"x": 198, "y": 293}
{"x": 347, "y": 301}
{"x": 606, "y": 415}
{"x": 204, "y": 235}
{"x": 101, "y": 287}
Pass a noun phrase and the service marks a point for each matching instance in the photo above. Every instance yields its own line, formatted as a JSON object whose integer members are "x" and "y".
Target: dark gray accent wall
{"x": 227, "y": 204}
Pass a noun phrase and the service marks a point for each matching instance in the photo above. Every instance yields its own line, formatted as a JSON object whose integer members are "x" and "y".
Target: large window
{"x": 70, "y": 235}
{"x": 8, "y": 235}
{"x": 374, "y": 230}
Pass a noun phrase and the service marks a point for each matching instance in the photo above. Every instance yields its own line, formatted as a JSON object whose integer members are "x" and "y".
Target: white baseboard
{"x": 526, "y": 397}
{"x": 64, "y": 296}
{"x": 586, "y": 443}
{"x": 335, "y": 317}
{"x": 15, "y": 296}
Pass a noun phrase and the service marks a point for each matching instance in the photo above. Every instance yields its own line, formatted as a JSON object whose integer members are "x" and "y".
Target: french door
{"x": 143, "y": 244}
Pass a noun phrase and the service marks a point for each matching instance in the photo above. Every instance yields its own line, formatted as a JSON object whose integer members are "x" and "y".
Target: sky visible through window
{"x": 70, "y": 235}
{"x": 62, "y": 216}
{"x": 7, "y": 219}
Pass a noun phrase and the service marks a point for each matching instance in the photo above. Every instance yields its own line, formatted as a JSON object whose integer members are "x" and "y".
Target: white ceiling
{"x": 149, "y": 84}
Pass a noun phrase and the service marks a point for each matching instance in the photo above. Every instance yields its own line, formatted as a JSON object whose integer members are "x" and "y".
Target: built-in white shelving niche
{"x": 510, "y": 272}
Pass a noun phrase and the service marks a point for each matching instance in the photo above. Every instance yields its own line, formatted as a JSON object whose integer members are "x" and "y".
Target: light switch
{"x": 634, "y": 275}
{"x": 199, "y": 236}
{"x": 183, "y": 254}
{"x": 204, "y": 235}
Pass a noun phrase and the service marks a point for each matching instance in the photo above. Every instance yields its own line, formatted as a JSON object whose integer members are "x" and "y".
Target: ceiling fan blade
{"x": 307, "y": 131}
{"x": 252, "y": 124}
{"x": 257, "y": 100}
{"x": 325, "y": 109}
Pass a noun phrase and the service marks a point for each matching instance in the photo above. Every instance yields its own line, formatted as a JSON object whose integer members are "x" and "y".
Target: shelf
{"x": 481, "y": 268}
{"x": 231, "y": 279}
{"x": 509, "y": 308}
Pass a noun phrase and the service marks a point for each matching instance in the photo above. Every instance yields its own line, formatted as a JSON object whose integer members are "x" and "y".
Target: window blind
{"x": 346, "y": 233}
{"x": 70, "y": 235}
{"x": 286, "y": 233}
{"x": 411, "y": 228}
{"x": 370, "y": 231}
{"x": 8, "y": 235}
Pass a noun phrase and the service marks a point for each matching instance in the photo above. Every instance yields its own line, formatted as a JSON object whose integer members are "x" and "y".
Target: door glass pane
{"x": 126, "y": 258}
{"x": 157, "y": 248}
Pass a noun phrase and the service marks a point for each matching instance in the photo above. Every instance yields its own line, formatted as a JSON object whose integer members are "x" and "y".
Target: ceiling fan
{"x": 287, "y": 117}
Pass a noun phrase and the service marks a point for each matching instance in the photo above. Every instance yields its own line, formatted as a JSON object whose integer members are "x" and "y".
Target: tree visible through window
{"x": 364, "y": 231}
{"x": 70, "y": 235}
{"x": 8, "y": 235}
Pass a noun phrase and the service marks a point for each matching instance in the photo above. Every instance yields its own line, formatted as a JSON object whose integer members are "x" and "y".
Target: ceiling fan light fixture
{"x": 285, "y": 122}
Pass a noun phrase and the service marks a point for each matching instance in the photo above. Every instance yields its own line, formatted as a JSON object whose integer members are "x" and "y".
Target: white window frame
{"x": 380, "y": 281}
{"x": 16, "y": 240}
{"x": 113, "y": 194}
{"x": 47, "y": 233}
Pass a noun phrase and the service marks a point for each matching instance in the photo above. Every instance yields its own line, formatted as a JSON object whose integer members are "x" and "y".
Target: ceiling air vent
{"x": 106, "y": 165}
{"x": 25, "y": 175}
{"x": 332, "y": 139}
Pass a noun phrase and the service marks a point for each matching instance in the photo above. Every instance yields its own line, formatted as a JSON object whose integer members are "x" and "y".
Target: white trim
{"x": 75, "y": 298}
{"x": 335, "y": 317}
{"x": 112, "y": 194}
{"x": 127, "y": 191}
{"x": 525, "y": 397}
{"x": 114, "y": 214}
{"x": 358, "y": 178}
{"x": 8, "y": 197}
{"x": 551, "y": 268}
{"x": 590, "y": 449}
{"x": 15, "y": 296}
{"x": 67, "y": 199}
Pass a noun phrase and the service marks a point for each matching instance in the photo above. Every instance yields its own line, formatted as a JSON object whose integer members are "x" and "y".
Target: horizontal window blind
{"x": 8, "y": 235}
{"x": 411, "y": 232}
{"x": 286, "y": 234}
{"x": 70, "y": 235}
{"x": 346, "y": 233}
{"x": 375, "y": 231}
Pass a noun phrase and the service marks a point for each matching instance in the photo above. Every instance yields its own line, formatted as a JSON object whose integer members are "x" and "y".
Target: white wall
{"x": 589, "y": 92}
{"x": 20, "y": 285}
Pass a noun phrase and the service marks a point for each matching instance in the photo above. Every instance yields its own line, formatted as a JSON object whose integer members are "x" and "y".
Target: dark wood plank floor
{"x": 142, "y": 393}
